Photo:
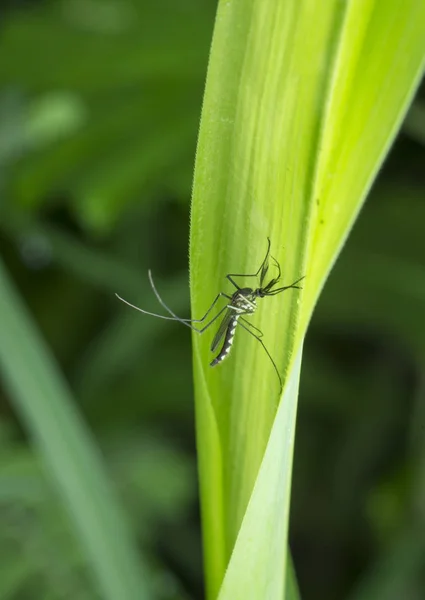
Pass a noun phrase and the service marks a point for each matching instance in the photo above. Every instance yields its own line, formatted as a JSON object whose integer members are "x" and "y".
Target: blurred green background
{"x": 99, "y": 107}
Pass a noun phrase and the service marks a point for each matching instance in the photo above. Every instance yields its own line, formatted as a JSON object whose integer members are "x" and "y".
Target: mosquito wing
{"x": 222, "y": 329}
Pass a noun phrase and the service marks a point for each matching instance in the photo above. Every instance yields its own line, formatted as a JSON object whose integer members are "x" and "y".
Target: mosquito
{"x": 243, "y": 302}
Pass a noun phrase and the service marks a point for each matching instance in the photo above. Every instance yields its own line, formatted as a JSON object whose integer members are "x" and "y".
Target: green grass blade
{"x": 377, "y": 67}
{"x": 46, "y": 407}
{"x": 301, "y": 104}
{"x": 264, "y": 531}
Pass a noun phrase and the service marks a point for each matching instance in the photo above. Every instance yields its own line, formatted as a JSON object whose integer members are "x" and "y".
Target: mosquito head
{"x": 261, "y": 292}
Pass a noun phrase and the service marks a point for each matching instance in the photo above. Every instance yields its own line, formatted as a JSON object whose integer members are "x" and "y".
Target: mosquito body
{"x": 243, "y": 302}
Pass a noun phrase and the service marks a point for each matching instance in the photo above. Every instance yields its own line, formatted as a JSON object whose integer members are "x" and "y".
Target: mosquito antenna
{"x": 278, "y": 267}
{"x": 287, "y": 287}
{"x": 265, "y": 264}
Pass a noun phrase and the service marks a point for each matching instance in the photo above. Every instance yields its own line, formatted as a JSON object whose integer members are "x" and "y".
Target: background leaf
{"x": 45, "y": 405}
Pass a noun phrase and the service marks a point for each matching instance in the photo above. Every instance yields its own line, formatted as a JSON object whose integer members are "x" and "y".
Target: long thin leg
{"x": 168, "y": 309}
{"x": 230, "y": 275}
{"x": 174, "y": 316}
{"x": 267, "y": 352}
{"x": 186, "y": 322}
{"x": 260, "y": 333}
{"x": 262, "y": 266}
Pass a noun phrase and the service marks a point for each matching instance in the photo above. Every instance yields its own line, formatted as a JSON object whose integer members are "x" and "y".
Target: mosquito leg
{"x": 214, "y": 319}
{"x": 186, "y": 322}
{"x": 168, "y": 309}
{"x": 267, "y": 352}
{"x": 259, "y": 332}
{"x": 262, "y": 269}
{"x": 230, "y": 275}
{"x": 174, "y": 317}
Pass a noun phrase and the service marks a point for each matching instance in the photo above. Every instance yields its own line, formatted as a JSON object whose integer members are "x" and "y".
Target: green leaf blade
{"x": 264, "y": 530}
{"x": 289, "y": 144}
{"x": 378, "y": 65}
{"x": 47, "y": 409}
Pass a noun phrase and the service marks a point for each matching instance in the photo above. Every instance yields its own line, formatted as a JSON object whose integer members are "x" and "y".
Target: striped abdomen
{"x": 228, "y": 341}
